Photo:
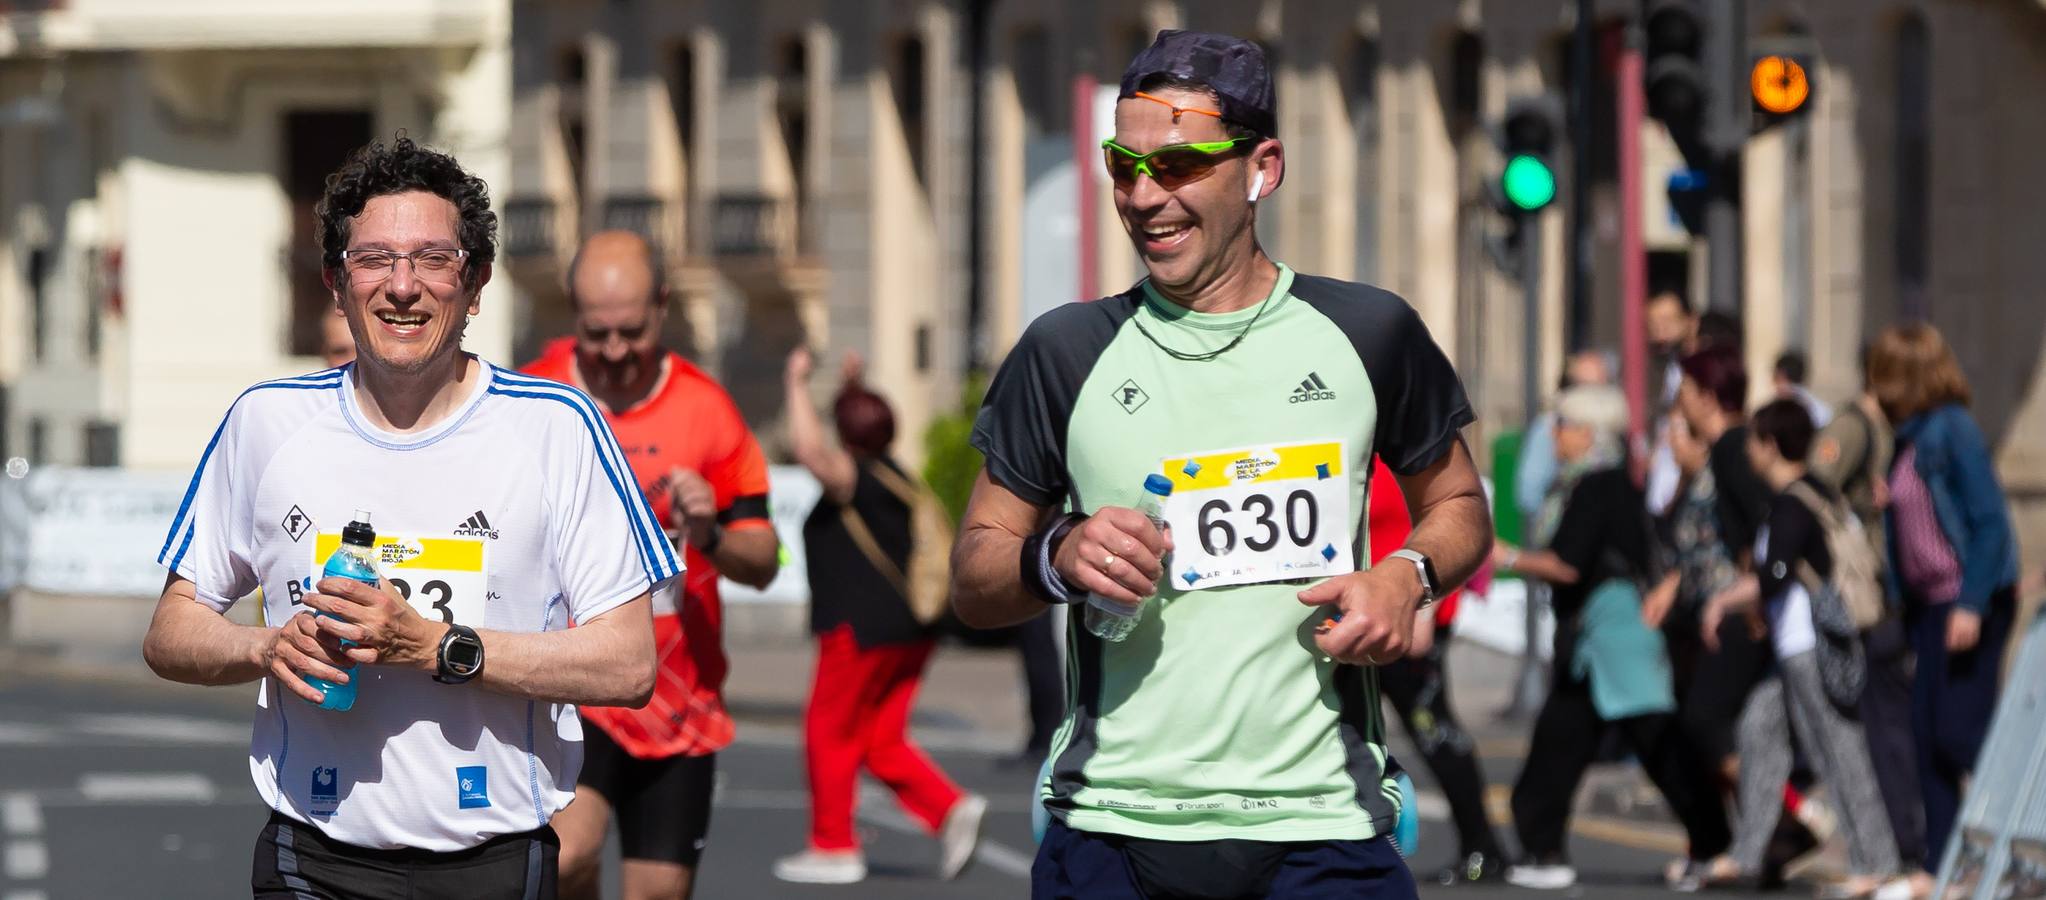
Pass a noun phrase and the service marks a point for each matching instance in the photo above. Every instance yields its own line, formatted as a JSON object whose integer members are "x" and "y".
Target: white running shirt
{"x": 517, "y": 513}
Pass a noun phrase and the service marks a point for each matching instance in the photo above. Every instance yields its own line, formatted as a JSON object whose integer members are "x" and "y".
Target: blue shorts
{"x": 1079, "y": 865}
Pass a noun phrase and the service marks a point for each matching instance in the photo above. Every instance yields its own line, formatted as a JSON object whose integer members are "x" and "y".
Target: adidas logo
{"x": 478, "y": 525}
{"x": 1311, "y": 388}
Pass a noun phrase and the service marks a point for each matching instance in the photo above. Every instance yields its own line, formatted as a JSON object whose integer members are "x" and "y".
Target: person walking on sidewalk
{"x": 871, "y": 647}
{"x": 1232, "y": 742}
{"x": 1955, "y": 562}
{"x": 1611, "y": 668}
{"x": 1794, "y": 582}
{"x": 1853, "y": 455}
{"x": 705, "y": 478}
{"x": 1418, "y": 686}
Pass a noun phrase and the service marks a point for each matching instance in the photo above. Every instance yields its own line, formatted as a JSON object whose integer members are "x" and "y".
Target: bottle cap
{"x": 362, "y": 515}
{"x": 1158, "y": 484}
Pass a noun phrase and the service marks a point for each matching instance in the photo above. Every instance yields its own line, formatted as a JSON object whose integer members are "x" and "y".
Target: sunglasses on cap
{"x": 1174, "y": 166}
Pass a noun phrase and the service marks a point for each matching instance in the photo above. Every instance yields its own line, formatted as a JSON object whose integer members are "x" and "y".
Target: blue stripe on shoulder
{"x": 650, "y": 563}
{"x": 318, "y": 381}
{"x": 608, "y": 443}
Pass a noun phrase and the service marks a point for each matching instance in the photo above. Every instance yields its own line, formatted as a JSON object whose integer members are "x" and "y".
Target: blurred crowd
{"x": 1797, "y": 621}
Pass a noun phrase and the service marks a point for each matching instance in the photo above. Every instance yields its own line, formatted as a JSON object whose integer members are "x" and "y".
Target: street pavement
{"x": 114, "y": 785}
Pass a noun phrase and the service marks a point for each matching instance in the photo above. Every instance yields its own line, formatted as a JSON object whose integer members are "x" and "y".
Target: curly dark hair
{"x": 376, "y": 170}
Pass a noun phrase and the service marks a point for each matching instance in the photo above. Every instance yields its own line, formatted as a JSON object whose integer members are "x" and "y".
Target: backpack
{"x": 1857, "y": 570}
{"x": 927, "y": 584}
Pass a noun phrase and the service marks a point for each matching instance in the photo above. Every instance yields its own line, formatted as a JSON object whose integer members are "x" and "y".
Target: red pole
{"x": 1086, "y": 161}
{"x": 1633, "y": 259}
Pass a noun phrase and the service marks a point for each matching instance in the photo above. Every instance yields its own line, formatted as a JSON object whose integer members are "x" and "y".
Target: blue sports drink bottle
{"x": 355, "y": 558}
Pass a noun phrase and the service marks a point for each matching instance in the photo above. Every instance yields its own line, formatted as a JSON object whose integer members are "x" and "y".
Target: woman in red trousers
{"x": 871, "y": 650}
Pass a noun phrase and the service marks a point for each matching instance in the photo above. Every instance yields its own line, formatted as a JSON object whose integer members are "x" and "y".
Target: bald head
{"x": 615, "y": 265}
{"x": 621, "y": 299}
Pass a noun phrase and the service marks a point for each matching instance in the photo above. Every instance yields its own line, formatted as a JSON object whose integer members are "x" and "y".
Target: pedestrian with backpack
{"x": 1853, "y": 455}
{"x": 870, "y": 547}
{"x": 1815, "y": 580}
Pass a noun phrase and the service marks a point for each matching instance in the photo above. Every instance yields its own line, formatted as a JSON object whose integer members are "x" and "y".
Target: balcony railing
{"x": 529, "y": 227}
{"x": 754, "y": 225}
{"x": 648, "y": 217}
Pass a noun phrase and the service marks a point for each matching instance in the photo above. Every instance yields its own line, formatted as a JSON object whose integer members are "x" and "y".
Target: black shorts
{"x": 662, "y": 805}
{"x": 298, "y": 862}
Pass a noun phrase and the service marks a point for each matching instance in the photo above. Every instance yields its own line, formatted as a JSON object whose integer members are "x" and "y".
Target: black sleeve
{"x": 1421, "y": 401}
{"x": 1021, "y": 428}
{"x": 1793, "y": 530}
{"x": 1604, "y": 533}
{"x": 1743, "y": 501}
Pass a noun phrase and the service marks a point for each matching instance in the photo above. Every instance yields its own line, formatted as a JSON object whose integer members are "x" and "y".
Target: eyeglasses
{"x": 436, "y": 263}
{"x": 1173, "y": 167}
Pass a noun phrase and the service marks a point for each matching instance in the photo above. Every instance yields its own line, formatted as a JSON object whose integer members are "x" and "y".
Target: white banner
{"x": 791, "y": 493}
{"x": 87, "y": 531}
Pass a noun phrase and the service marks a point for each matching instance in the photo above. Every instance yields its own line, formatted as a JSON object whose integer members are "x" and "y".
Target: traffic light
{"x": 1527, "y": 138}
{"x": 1673, "y": 69}
{"x": 1780, "y": 78}
{"x": 1526, "y": 183}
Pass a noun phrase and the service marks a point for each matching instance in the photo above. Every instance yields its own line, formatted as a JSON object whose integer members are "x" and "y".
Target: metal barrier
{"x": 1998, "y": 848}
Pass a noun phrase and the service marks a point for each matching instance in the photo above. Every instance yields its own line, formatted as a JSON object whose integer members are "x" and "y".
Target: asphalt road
{"x": 114, "y": 789}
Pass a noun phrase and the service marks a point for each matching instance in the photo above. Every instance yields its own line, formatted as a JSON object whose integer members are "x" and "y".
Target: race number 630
{"x": 1261, "y": 521}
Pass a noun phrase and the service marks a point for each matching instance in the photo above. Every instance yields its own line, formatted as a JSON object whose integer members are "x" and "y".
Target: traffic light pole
{"x": 1726, "y": 131}
{"x": 1531, "y": 687}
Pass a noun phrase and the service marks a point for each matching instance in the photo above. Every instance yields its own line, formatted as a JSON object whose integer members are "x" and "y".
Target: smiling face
{"x": 404, "y": 320}
{"x": 1189, "y": 236}
{"x": 619, "y": 314}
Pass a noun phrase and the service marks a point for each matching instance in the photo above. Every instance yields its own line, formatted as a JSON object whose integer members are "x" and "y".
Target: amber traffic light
{"x": 1779, "y": 84}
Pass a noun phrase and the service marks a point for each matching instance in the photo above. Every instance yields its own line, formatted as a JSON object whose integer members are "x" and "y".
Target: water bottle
{"x": 1110, "y": 620}
{"x": 355, "y": 558}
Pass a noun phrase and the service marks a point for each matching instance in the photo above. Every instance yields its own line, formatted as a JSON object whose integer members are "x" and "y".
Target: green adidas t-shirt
{"x": 1219, "y": 717}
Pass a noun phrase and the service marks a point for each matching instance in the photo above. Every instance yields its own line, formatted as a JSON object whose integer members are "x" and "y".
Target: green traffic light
{"x": 1528, "y": 183}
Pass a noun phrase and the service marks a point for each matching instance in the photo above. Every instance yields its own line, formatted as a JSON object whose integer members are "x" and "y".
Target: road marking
{"x": 23, "y": 734}
{"x": 161, "y": 729}
{"x": 24, "y": 895}
{"x": 26, "y": 857}
{"x": 27, "y": 860}
{"x": 146, "y": 787}
{"x": 21, "y": 815}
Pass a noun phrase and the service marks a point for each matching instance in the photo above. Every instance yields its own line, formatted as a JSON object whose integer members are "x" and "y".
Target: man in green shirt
{"x": 1232, "y": 745}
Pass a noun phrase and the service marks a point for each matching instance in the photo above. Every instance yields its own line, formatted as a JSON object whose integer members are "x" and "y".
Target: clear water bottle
{"x": 1110, "y": 620}
{"x": 355, "y": 558}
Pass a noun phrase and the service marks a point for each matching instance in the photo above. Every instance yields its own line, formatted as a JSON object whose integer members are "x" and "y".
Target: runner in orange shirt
{"x": 705, "y": 477}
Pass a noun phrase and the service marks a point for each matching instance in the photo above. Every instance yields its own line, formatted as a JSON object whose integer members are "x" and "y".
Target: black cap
{"x": 1233, "y": 67}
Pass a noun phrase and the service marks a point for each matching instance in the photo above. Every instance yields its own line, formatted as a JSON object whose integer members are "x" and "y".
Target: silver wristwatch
{"x": 1426, "y": 569}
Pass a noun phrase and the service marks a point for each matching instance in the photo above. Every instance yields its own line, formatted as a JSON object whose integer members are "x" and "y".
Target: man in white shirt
{"x": 505, "y": 512}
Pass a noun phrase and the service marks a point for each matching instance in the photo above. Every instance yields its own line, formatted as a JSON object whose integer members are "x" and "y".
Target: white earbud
{"x": 1257, "y": 186}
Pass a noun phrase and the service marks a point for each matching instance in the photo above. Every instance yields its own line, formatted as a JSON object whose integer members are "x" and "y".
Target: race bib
{"x": 445, "y": 578}
{"x": 1259, "y": 514}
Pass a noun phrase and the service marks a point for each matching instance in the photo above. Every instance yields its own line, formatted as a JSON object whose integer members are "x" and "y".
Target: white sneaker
{"x": 959, "y": 835}
{"x": 1542, "y": 877}
{"x": 815, "y": 866}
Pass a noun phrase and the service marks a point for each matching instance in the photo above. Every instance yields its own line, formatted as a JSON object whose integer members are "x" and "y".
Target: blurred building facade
{"x": 820, "y": 171}
{"x": 809, "y": 166}
{"x": 161, "y": 162}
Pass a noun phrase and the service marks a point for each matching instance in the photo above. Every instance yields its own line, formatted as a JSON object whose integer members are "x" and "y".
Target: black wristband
{"x": 1039, "y": 576}
{"x": 717, "y": 536}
